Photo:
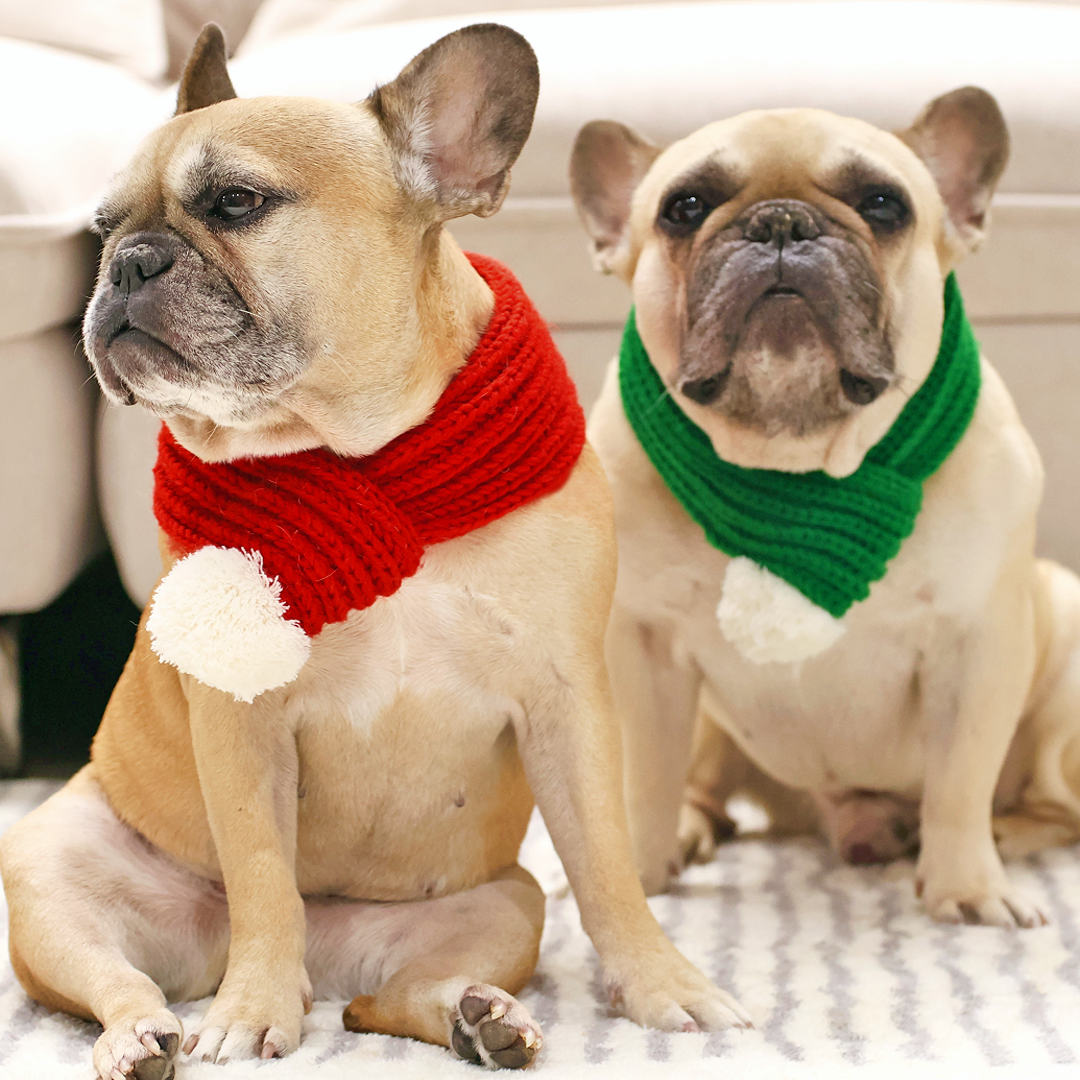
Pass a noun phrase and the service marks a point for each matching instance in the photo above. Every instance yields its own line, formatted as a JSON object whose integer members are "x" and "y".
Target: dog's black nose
{"x": 134, "y": 265}
{"x": 780, "y": 221}
{"x": 706, "y": 391}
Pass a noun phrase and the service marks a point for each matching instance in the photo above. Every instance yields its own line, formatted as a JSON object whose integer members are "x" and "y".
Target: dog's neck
{"x": 333, "y": 406}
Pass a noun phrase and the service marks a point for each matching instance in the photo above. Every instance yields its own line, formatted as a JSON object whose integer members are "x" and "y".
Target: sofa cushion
{"x": 129, "y": 33}
{"x": 667, "y": 69}
{"x": 48, "y": 523}
{"x": 282, "y": 18}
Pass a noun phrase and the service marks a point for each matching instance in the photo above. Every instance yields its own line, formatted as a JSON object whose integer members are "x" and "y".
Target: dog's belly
{"x": 416, "y": 809}
{"x": 849, "y": 718}
{"x": 410, "y": 780}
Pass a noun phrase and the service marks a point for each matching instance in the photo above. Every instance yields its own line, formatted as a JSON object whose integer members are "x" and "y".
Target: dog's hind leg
{"x": 442, "y": 970}
{"x": 105, "y": 926}
{"x": 720, "y": 771}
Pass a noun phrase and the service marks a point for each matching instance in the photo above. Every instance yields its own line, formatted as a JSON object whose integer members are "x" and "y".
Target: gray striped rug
{"x": 845, "y": 977}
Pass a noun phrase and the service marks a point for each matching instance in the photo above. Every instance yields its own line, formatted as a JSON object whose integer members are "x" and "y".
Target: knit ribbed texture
{"x": 340, "y": 532}
{"x": 828, "y": 538}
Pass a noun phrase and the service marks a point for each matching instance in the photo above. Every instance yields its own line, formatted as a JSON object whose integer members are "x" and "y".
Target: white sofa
{"x": 665, "y": 68}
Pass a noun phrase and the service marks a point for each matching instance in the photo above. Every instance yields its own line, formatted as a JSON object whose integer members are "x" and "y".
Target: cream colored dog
{"x": 348, "y": 834}
{"x": 787, "y": 269}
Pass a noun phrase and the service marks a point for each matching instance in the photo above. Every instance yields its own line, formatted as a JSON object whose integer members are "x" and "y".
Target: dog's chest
{"x": 850, "y": 717}
{"x": 433, "y": 638}
{"x": 405, "y": 721}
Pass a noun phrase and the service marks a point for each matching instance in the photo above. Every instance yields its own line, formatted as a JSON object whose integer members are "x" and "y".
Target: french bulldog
{"x": 788, "y": 270}
{"x": 276, "y": 278}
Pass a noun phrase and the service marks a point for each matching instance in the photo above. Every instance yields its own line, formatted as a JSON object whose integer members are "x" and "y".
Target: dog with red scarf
{"x": 389, "y": 558}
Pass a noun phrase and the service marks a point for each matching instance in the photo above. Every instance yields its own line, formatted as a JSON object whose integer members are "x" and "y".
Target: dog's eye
{"x": 236, "y": 202}
{"x": 685, "y": 210}
{"x": 883, "y": 210}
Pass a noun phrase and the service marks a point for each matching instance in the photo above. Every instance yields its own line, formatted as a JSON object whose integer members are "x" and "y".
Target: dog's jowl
{"x": 825, "y": 504}
{"x": 389, "y": 559}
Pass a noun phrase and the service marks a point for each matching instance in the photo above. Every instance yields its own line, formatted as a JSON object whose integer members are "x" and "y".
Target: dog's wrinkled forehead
{"x": 298, "y": 148}
{"x": 803, "y": 154}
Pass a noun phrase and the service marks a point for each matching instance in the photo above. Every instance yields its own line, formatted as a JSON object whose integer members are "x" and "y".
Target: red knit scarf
{"x": 340, "y": 532}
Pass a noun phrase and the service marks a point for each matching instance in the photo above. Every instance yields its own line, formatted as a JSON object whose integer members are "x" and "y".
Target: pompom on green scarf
{"x": 828, "y": 538}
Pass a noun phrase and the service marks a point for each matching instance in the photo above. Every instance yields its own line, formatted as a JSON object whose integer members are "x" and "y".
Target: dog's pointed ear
{"x": 457, "y": 117}
{"x": 607, "y": 164}
{"x": 962, "y": 139}
{"x": 206, "y": 78}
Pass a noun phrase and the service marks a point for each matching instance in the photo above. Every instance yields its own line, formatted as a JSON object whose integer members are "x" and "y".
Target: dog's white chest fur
{"x": 847, "y": 718}
{"x": 432, "y": 638}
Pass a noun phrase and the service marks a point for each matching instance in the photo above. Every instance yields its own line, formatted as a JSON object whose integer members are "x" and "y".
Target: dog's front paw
{"x": 669, "y": 993}
{"x": 142, "y": 1048}
{"x": 262, "y": 1023}
{"x": 493, "y": 1028}
{"x": 983, "y": 898}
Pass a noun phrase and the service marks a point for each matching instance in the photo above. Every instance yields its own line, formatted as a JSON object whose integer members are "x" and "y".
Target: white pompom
{"x": 216, "y": 615}
{"x": 770, "y": 621}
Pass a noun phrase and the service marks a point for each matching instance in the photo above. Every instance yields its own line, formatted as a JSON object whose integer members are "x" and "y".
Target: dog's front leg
{"x": 247, "y": 766}
{"x": 569, "y": 743}
{"x": 970, "y": 725}
{"x": 656, "y": 700}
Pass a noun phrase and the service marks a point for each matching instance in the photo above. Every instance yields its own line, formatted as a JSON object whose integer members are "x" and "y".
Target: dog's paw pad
{"x": 141, "y": 1050}
{"x": 154, "y": 1069}
{"x": 493, "y": 1028}
{"x": 464, "y": 1046}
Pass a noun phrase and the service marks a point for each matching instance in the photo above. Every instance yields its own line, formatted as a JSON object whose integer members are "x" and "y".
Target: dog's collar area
{"x": 828, "y": 538}
{"x": 326, "y": 535}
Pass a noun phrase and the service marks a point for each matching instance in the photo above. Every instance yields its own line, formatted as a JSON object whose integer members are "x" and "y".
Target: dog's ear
{"x": 963, "y": 141}
{"x": 206, "y": 79}
{"x": 457, "y": 117}
{"x": 606, "y": 166}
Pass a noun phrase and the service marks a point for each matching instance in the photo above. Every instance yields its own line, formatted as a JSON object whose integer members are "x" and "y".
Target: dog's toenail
{"x": 151, "y": 1044}
{"x": 970, "y": 914}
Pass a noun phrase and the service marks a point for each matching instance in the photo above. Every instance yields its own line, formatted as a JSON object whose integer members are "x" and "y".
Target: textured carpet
{"x": 845, "y": 977}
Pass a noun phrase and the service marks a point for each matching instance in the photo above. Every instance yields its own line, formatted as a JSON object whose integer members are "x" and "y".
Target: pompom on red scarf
{"x": 330, "y": 534}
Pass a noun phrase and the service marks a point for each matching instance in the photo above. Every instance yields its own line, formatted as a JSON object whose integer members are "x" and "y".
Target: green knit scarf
{"x": 828, "y": 538}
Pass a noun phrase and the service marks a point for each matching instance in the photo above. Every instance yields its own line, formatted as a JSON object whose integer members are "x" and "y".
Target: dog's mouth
{"x": 127, "y": 356}
{"x": 783, "y": 350}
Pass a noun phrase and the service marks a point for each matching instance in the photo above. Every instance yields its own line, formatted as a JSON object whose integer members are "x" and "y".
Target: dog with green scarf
{"x": 826, "y": 503}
